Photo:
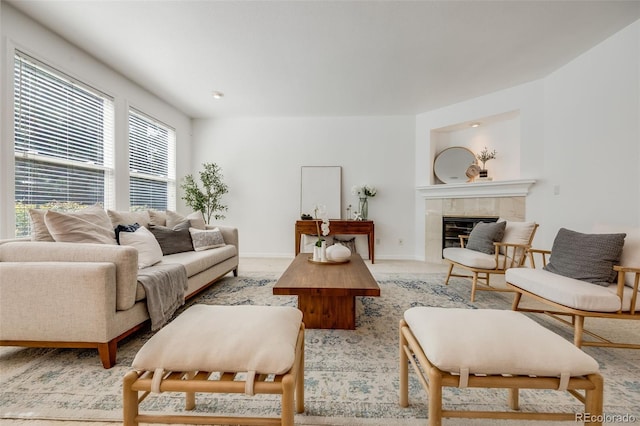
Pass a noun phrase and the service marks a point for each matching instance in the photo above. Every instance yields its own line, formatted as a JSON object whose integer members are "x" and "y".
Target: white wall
{"x": 592, "y": 138}
{"x": 261, "y": 160}
{"x": 19, "y": 31}
{"x": 579, "y": 131}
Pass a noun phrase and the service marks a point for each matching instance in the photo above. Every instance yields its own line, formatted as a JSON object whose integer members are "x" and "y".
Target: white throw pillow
{"x": 516, "y": 232}
{"x": 206, "y": 239}
{"x": 149, "y": 251}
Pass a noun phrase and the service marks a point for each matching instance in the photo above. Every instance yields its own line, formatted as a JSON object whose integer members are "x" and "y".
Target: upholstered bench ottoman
{"x": 486, "y": 348}
{"x": 221, "y": 349}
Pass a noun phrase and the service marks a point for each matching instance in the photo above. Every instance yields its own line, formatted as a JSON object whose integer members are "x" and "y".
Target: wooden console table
{"x": 337, "y": 226}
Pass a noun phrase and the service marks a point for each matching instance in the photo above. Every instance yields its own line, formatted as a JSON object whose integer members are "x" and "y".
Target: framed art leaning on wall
{"x": 321, "y": 185}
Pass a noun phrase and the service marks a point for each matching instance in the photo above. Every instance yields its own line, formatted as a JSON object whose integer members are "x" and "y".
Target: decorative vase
{"x": 316, "y": 253}
{"x": 484, "y": 173}
{"x": 323, "y": 251}
{"x": 338, "y": 253}
{"x": 364, "y": 208}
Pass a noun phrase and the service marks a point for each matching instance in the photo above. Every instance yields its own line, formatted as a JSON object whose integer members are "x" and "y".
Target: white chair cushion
{"x": 564, "y": 290}
{"x": 471, "y": 258}
{"x": 488, "y": 341}
{"x": 627, "y": 293}
{"x": 225, "y": 339}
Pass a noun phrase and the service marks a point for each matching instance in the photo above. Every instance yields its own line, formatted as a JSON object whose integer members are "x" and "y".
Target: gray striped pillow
{"x": 586, "y": 257}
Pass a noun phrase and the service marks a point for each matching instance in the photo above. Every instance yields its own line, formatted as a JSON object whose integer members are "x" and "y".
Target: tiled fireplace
{"x": 500, "y": 199}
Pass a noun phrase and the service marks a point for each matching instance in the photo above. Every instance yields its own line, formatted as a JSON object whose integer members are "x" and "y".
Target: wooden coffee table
{"x": 327, "y": 293}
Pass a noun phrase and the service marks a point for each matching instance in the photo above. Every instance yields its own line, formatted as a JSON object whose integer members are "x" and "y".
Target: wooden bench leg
{"x": 300, "y": 382}
{"x": 288, "y": 391}
{"x": 593, "y": 402}
{"x": 129, "y": 400}
{"x": 435, "y": 397}
{"x": 514, "y": 399}
{"x": 404, "y": 370}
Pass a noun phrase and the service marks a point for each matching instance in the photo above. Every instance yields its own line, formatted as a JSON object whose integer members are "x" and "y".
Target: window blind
{"x": 152, "y": 173}
{"x": 63, "y": 141}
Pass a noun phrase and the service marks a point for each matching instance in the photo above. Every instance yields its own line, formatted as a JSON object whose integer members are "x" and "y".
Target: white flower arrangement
{"x": 321, "y": 213}
{"x": 364, "y": 191}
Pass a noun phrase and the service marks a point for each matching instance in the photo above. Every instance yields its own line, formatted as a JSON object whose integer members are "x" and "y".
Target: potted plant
{"x": 484, "y": 156}
{"x": 206, "y": 199}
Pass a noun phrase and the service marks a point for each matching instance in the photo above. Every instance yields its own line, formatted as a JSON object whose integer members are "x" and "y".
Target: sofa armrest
{"x": 57, "y": 301}
{"x": 229, "y": 233}
{"x": 123, "y": 257}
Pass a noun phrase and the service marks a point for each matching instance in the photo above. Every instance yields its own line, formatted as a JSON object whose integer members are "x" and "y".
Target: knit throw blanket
{"x": 165, "y": 287}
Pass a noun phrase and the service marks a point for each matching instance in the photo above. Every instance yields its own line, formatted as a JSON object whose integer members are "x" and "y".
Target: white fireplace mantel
{"x": 503, "y": 188}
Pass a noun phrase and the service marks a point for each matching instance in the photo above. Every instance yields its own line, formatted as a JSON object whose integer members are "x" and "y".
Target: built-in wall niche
{"x": 500, "y": 132}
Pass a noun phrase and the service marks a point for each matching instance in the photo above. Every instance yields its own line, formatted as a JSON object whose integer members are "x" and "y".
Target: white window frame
{"x": 170, "y": 150}
{"x": 107, "y": 165}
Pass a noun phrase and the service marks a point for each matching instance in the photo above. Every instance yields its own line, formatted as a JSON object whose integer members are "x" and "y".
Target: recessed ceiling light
{"x": 217, "y": 95}
{"x": 475, "y": 124}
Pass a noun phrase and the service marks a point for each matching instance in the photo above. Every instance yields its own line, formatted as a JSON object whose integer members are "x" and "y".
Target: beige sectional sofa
{"x": 86, "y": 295}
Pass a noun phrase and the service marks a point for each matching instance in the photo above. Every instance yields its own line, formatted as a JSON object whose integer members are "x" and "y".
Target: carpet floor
{"x": 351, "y": 377}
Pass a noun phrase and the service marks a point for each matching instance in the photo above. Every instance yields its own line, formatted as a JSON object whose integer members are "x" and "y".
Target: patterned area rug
{"x": 351, "y": 376}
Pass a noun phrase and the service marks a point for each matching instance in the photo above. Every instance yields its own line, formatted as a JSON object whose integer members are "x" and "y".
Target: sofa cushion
{"x": 149, "y": 251}
{"x": 472, "y": 258}
{"x": 173, "y": 240}
{"x": 158, "y": 217}
{"x": 206, "y": 239}
{"x": 198, "y": 261}
{"x": 39, "y": 230}
{"x": 566, "y": 291}
{"x": 91, "y": 225}
{"x": 196, "y": 220}
{"x": 484, "y": 234}
{"x": 126, "y": 218}
{"x": 586, "y": 257}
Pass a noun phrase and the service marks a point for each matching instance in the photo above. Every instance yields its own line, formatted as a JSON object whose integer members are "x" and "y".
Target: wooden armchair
{"x": 510, "y": 252}
{"x": 562, "y": 296}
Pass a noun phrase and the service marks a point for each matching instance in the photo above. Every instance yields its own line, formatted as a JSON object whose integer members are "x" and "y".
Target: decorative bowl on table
{"x": 338, "y": 253}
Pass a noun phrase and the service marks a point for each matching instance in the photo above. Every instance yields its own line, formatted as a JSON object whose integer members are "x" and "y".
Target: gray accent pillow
{"x": 173, "y": 240}
{"x": 206, "y": 239}
{"x": 586, "y": 257}
{"x": 484, "y": 234}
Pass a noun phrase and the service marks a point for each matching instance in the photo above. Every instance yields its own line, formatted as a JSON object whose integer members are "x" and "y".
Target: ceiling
{"x": 330, "y": 58}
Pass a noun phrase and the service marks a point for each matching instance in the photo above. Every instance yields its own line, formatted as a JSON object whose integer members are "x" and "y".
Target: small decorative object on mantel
{"x": 472, "y": 172}
{"x": 484, "y": 156}
{"x": 363, "y": 192}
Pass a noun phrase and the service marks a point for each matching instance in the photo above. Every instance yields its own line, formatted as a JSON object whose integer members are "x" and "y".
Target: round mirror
{"x": 451, "y": 164}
